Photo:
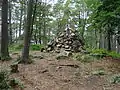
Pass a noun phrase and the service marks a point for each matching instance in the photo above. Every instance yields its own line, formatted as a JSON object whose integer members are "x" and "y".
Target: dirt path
{"x": 66, "y": 74}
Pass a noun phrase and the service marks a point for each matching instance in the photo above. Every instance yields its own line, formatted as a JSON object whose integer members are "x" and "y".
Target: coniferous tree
{"x": 4, "y": 31}
{"x": 27, "y": 33}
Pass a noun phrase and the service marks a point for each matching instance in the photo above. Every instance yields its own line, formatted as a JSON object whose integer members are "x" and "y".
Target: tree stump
{"x": 14, "y": 68}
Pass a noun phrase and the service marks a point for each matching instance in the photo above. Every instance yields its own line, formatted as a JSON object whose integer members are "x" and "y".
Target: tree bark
{"x": 21, "y": 14}
{"x": 27, "y": 38}
{"x": 109, "y": 41}
{"x": 10, "y": 28}
{"x": 4, "y": 32}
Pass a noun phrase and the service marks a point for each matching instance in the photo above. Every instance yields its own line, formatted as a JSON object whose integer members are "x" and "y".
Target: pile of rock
{"x": 69, "y": 41}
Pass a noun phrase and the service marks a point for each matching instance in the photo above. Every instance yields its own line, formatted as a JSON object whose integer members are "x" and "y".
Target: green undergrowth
{"x": 36, "y": 47}
{"x": 103, "y": 53}
{"x": 15, "y": 47}
{"x": 33, "y": 47}
{"x": 95, "y": 54}
{"x": 7, "y": 83}
{"x": 113, "y": 54}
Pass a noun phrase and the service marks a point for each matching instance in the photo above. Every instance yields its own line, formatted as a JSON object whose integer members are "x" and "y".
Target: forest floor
{"x": 65, "y": 74}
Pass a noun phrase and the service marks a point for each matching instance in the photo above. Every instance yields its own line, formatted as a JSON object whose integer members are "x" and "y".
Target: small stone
{"x": 59, "y": 46}
{"x": 72, "y": 34}
{"x": 67, "y": 42}
{"x": 63, "y": 46}
{"x": 49, "y": 49}
{"x": 66, "y": 47}
{"x": 42, "y": 49}
{"x": 50, "y": 44}
{"x": 70, "y": 42}
{"x": 57, "y": 51}
{"x": 57, "y": 40}
{"x": 61, "y": 35}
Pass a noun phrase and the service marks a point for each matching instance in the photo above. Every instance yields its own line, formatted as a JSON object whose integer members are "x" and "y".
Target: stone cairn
{"x": 68, "y": 40}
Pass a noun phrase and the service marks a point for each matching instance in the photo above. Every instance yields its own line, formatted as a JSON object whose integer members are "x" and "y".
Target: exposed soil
{"x": 65, "y": 74}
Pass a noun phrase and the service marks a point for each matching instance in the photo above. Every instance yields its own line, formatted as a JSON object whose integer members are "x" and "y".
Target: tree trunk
{"x": 114, "y": 43}
{"x": 35, "y": 35}
{"x": 21, "y": 14}
{"x": 118, "y": 48}
{"x": 27, "y": 38}
{"x": 10, "y": 29}
{"x": 39, "y": 32}
{"x": 4, "y": 32}
{"x": 39, "y": 36}
{"x": 44, "y": 32}
{"x": 96, "y": 41}
{"x": 109, "y": 41}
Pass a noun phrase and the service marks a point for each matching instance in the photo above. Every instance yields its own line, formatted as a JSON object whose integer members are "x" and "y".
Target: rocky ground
{"x": 65, "y": 74}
